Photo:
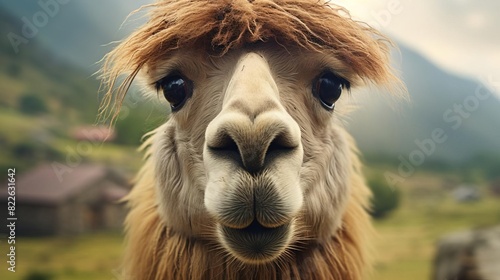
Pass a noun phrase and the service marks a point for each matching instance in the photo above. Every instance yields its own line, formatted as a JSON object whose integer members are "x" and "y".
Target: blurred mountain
{"x": 439, "y": 100}
{"x": 64, "y": 89}
{"x": 382, "y": 127}
{"x": 80, "y": 31}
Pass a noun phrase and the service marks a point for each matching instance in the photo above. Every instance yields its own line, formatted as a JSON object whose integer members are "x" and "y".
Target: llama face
{"x": 252, "y": 157}
{"x": 252, "y": 176}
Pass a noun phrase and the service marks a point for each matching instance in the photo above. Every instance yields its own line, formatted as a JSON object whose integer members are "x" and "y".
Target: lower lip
{"x": 255, "y": 243}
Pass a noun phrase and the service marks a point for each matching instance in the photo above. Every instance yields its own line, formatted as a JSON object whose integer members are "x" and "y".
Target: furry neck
{"x": 156, "y": 252}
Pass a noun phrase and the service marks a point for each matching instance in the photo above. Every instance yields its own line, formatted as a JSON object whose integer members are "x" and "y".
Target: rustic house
{"x": 85, "y": 200}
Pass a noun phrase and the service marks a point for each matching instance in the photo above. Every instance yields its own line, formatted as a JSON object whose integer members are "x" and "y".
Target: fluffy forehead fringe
{"x": 218, "y": 26}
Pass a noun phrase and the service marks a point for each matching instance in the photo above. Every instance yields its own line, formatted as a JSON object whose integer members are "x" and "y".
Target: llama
{"x": 253, "y": 175}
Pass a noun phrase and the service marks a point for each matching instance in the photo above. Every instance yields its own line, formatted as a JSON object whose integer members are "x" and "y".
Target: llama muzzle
{"x": 253, "y": 155}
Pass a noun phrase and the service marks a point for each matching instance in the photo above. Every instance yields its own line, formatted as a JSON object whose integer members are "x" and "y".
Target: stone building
{"x": 86, "y": 199}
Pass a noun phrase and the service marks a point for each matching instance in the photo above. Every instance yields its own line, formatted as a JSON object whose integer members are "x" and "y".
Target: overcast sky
{"x": 461, "y": 36}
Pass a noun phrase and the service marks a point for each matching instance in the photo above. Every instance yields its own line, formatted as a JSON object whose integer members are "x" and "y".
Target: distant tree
{"x": 38, "y": 275}
{"x": 24, "y": 150}
{"x": 32, "y": 104}
{"x": 130, "y": 129}
{"x": 134, "y": 123}
{"x": 385, "y": 199}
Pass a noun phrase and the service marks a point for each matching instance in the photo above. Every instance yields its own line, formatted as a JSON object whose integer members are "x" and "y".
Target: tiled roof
{"x": 42, "y": 184}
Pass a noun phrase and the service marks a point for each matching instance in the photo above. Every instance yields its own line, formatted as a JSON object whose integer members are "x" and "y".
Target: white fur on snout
{"x": 252, "y": 114}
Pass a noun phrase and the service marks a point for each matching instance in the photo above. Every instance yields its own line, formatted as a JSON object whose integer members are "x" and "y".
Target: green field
{"x": 406, "y": 239}
{"x": 405, "y": 242}
{"x": 94, "y": 256}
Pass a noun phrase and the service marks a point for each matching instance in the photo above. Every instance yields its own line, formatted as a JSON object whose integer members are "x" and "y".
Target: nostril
{"x": 223, "y": 145}
{"x": 224, "y": 142}
{"x": 281, "y": 143}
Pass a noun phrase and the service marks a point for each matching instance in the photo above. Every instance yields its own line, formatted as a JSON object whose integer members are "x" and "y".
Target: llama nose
{"x": 254, "y": 142}
{"x": 253, "y": 126}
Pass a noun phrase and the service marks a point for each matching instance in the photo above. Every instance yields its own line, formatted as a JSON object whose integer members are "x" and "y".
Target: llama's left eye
{"x": 328, "y": 87}
{"x": 176, "y": 90}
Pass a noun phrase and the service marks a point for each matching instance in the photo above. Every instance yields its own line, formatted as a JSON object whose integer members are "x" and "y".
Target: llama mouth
{"x": 256, "y": 243}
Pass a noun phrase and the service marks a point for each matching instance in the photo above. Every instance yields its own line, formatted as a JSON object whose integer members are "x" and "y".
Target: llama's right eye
{"x": 176, "y": 90}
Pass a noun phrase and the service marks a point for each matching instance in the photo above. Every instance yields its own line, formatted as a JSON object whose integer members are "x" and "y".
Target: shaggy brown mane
{"x": 217, "y": 26}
